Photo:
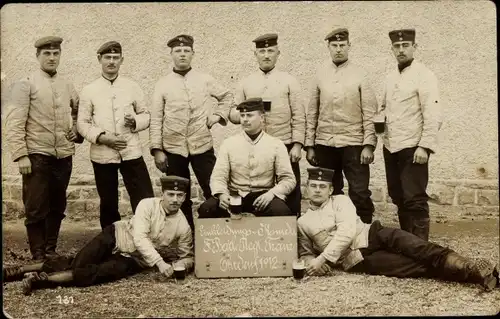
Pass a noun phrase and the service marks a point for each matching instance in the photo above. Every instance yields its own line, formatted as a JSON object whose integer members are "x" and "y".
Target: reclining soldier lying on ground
{"x": 331, "y": 234}
{"x": 123, "y": 248}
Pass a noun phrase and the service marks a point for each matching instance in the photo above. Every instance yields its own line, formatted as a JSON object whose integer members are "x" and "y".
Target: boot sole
{"x": 490, "y": 280}
{"x": 27, "y": 286}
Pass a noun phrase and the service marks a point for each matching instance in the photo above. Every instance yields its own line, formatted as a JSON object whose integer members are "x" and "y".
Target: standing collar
{"x": 340, "y": 66}
{"x": 403, "y": 66}
{"x": 110, "y": 81}
{"x": 267, "y": 72}
{"x": 259, "y": 137}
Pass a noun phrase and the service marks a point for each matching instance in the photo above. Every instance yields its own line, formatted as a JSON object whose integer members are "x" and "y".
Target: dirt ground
{"x": 343, "y": 294}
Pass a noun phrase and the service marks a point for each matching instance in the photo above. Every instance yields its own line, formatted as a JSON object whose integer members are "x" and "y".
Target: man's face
{"x": 319, "y": 191}
{"x": 267, "y": 57}
{"x": 172, "y": 200}
{"x": 252, "y": 121}
{"x": 110, "y": 62}
{"x": 339, "y": 50}
{"x": 403, "y": 50}
{"x": 49, "y": 59}
{"x": 182, "y": 57}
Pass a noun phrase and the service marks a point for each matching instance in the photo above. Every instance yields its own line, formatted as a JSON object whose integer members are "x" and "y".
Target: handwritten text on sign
{"x": 248, "y": 247}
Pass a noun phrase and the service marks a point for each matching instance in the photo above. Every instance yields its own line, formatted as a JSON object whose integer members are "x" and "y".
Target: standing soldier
{"x": 340, "y": 131}
{"x": 412, "y": 109}
{"x": 181, "y": 119}
{"x": 41, "y": 132}
{"x": 112, "y": 112}
{"x": 281, "y": 92}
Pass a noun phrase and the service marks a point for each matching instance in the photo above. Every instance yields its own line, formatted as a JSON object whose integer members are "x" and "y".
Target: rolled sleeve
{"x": 16, "y": 118}
{"x": 220, "y": 173}
{"x": 284, "y": 173}
{"x": 431, "y": 110}
{"x": 85, "y": 123}
{"x": 346, "y": 229}
{"x": 298, "y": 112}
{"x": 312, "y": 115}
{"x": 141, "y": 116}
{"x": 224, "y": 98}
{"x": 141, "y": 224}
{"x": 156, "y": 124}
{"x": 74, "y": 104}
{"x": 369, "y": 108}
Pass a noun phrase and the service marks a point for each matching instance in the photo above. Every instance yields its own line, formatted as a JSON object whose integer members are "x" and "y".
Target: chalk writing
{"x": 256, "y": 246}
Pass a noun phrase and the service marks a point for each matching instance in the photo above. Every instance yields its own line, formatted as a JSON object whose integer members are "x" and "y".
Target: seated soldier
{"x": 253, "y": 166}
{"x": 123, "y": 248}
{"x": 330, "y": 233}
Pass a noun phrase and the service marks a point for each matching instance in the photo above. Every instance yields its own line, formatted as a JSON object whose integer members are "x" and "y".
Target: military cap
{"x": 266, "y": 40}
{"x": 174, "y": 183}
{"x": 320, "y": 174}
{"x": 251, "y": 104}
{"x": 402, "y": 35}
{"x": 180, "y": 41}
{"x": 110, "y": 47}
{"x": 50, "y": 42}
{"x": 338, "y": 34}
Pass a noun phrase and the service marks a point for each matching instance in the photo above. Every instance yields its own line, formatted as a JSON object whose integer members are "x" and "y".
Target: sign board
{"x": 246, "y": 247}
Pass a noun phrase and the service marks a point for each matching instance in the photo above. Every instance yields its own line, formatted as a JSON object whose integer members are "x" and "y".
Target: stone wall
{"x": 449, "y": 199}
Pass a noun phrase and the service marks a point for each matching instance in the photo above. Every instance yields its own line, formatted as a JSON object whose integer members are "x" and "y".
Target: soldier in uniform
{"x": 331, "y": 234}
{"x": 253, "y": 166}
{"x": 182, "y": 115}
{"x": 286, "y": 118}
{"x": 413, "y": 113}
{"x": 340, "y": 132}
{"x": 125, "y": 247}
{"x": 41, "y": 132}
{"x": 112, "y": 113}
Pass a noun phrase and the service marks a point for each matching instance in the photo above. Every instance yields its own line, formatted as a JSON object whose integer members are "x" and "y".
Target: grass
{"x": 144, "y": 295}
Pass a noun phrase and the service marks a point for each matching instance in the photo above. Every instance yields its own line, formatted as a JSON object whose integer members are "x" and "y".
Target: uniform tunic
{"x": 248, "y": 166}
{"x": 287, "y": 119}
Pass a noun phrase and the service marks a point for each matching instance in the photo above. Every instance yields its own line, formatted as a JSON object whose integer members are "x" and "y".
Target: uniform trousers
{"x": 358, "y": 175}
{"x": 398, "y": 253}
{"x": 202, "y": 165}
{"x": 211, "y": 209}
{"x": 137, "y": 182}
{"x": 44, "y": 199}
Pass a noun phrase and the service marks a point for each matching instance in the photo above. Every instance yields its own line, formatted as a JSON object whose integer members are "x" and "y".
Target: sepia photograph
{"x": 249, "y": 159}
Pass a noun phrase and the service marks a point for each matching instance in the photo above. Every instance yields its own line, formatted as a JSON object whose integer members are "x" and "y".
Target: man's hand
{"x": 129, "y": 121}
{"x": 24, "y": 165}
{"x": 315, "y": 267}
{"x": 296, "y": 153}
{"x": 224, "y": 200}
{"x": 165, "y": 269}
{"x": 367, "y": 155}
{"x": 420, "y": 156}
{"x": 161, "y": 161}
{"x": 72, "y": 134}
{"x": 115, "y": 142}
{"x": 212, "y": 119}
{"x": 261, "y": 202}
{"x": 311, "y": 156}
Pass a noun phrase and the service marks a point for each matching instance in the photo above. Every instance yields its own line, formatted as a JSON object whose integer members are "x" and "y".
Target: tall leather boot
{"x": 36, "y": 239}
{"x": 421, "y": 228}
{"x": 462, "y": 269}
{"x": 405, "y": 221}
{"x": 42, "y": 280}
{"x": 52, "y": 227}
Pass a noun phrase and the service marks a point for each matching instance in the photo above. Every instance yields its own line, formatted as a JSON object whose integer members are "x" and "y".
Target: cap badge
{"x": 400, "y": 33}
{"x": 400, "y": 39}
{"x": 319, "y": 178}
{"x": 338, "y": 36}
{"x": 320, "y": 173}
{"x": 182, "y": 39}
{"x": 176, "y": 188}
